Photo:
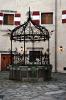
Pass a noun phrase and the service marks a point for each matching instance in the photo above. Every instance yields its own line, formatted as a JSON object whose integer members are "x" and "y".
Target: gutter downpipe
{"x": 55, "y": 35}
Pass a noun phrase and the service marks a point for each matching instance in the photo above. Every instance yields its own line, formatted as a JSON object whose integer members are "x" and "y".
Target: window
{"x": 33, "y": 55}
{"x": 8, "y": 19}
{"x": 47, "y": 18}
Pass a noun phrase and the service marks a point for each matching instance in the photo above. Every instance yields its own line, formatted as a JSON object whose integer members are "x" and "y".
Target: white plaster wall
{"x": 61, "y": 36}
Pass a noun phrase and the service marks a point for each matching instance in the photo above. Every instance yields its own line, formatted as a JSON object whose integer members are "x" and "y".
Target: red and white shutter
{"x": 17, "y": 19}
{"x": 36, "y": 17}
{"x": 64, "y": 16}
{"x": 1, "y": 18}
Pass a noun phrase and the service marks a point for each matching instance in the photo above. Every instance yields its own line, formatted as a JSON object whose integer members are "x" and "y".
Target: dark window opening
{"x": 64, "y": 68}
{"x": 33, "y": 55}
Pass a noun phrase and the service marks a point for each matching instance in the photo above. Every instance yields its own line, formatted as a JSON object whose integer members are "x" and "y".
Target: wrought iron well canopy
{"x": 29, "y": 32}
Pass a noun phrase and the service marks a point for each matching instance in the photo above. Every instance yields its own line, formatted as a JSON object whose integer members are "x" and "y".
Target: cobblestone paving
{"x": 50, "y": 90}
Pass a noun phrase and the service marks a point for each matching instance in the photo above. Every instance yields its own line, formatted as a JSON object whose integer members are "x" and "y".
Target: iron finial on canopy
{"x": 29, "y": 14}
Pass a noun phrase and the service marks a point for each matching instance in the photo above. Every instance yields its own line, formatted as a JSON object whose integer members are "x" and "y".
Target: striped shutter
{"x": 17, "y": 19}
{"x": 64, "y": 16}
{"x": 1, "y": 18}
{"x": 36, "y": 17}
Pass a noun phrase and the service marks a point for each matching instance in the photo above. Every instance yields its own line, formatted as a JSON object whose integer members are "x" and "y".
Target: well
{"x": 35, "y": 65}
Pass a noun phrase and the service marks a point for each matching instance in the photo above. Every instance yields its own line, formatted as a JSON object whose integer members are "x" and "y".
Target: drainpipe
{"x": 55, "y": 35}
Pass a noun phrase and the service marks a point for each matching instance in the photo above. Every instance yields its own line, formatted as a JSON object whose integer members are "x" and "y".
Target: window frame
{"x": 8, "y": 14}
{"x": 47, "y": 13}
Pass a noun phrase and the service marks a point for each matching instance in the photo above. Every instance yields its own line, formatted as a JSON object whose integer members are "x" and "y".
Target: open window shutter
{"x": 64, "y": 16}
{"x": 17, "y": 19}
{"x": 1, "y": 18}
{"x": 36, "y": 17}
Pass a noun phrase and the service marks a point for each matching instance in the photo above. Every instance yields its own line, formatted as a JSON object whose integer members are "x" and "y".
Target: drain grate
{"x": 1, "y": 97}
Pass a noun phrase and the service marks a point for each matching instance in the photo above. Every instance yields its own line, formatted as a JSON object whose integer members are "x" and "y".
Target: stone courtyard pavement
{"x": 50, "y": 90}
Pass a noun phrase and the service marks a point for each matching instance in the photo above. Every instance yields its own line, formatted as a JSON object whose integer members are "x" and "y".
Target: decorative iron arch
{"x": 29, "y": 31}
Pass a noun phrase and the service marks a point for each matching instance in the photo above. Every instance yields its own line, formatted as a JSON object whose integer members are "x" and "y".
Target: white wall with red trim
{"x": 22, "y": 7}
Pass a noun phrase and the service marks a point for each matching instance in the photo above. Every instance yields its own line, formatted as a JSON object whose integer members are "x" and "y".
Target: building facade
{"x": 50, "y": 14}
